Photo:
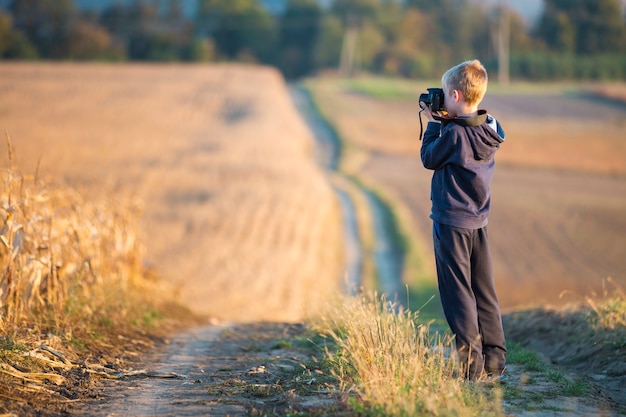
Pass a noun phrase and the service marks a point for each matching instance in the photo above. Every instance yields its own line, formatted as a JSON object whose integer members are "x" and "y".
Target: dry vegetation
{"x": 61, "y": 252}
{"x": 200, "y": 175}
{"x": 236, "y": 213}
{"x": 75, "y": 298}
{"x": 397, "y": 366}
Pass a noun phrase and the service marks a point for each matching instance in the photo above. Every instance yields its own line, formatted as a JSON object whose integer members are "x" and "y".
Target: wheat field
{"x": 235, "y": 212}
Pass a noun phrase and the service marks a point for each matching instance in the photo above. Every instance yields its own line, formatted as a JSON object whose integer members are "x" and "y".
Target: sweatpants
{"x": 468, "y": 296}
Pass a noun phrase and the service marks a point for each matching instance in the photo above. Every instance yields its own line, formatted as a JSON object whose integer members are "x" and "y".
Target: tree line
{"x": 581, "y": 39}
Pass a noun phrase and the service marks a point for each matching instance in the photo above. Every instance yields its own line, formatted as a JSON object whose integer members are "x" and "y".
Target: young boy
{"x": 460, "y": 146}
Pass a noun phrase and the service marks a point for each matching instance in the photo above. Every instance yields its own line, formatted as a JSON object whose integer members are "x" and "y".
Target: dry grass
{"x": 74, "y": 294}
{"x": 236, "y": 213}
{"x": 610, "y": 315}
{"x": 396, "y": 366}
{"x": 61, "y": 254}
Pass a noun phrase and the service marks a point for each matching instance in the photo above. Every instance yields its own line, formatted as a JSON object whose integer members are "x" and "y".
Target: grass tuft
{"x": 396, "y": 366}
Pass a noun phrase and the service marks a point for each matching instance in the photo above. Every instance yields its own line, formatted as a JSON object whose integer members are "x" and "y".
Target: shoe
{"x": 501, "y": 378}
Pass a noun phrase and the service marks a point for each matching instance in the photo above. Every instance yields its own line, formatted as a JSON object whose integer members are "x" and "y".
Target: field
{"x": 235, "y": 212}
{"x": 558, "y": 224}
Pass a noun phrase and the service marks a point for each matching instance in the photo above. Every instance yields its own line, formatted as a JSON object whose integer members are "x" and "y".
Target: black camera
{"x": 433, "y": 99}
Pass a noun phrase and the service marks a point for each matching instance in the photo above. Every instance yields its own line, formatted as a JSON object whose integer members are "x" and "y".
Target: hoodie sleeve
{"x": 438, "y": 147}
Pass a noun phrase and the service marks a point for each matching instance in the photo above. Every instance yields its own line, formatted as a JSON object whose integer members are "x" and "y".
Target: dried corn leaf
{"x": 35, "y": 377}
{"x": 38, "y": 355}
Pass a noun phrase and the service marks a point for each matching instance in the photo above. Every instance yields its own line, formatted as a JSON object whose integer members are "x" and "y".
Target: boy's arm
{"x": 436, "y": 150}
{"x": 437, "y": 146}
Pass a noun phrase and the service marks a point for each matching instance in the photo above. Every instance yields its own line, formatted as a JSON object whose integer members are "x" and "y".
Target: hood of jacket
{"x": 483, "y": 130}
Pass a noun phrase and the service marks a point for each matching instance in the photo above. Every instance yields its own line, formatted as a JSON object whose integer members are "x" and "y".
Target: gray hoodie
{"x": 461, "y": 152}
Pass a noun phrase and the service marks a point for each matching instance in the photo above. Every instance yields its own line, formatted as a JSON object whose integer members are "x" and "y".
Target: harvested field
{"x": 235, "y": 211}
{"x": 558, "y": 223}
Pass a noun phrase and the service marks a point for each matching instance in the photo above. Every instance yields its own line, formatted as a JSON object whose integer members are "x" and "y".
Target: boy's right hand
{"x": 427, "y": 112}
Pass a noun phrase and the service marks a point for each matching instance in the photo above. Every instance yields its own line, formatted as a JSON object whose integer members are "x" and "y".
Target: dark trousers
{"x": 468, "y": 295}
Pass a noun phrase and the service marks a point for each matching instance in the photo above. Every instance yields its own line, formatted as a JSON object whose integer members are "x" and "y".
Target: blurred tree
{"x": 116, "y": 19}
{"x": 327, "y": 49}
{"x": 411, "y": 55}
{"x": 586, "y": 27}
{"x": 87, "y": 41}
{"x": 13, "y": 43}
{"x": 240, "y": 29}
{"x": 453, "y": 26}
{"x": 359, "y": 9}
{"x": 46, "y": 23}
{"x": 148, "y": 35}
{"x": 299, "y": 29}
{"x": 175, "y": 12}
{"x": 199, "y": 50}
{"x": 6, "y": 32}
{"x": 521, "y": 41}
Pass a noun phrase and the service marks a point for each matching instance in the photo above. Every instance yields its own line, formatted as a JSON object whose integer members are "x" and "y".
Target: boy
{"x": 460, "y": 146}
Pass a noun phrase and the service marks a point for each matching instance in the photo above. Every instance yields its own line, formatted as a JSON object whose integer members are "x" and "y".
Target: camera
{"x": 433, "y": 99}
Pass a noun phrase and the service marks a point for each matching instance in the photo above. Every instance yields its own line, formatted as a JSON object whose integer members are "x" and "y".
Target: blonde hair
{"x": 469, "y": 77}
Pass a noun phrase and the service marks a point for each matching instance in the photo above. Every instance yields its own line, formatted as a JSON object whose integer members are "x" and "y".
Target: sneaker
{"x": 501, "y": 378}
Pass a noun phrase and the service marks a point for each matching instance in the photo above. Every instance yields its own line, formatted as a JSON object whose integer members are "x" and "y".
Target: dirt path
{"x": 229, "y": 370}
{"x": 180, "y": 372}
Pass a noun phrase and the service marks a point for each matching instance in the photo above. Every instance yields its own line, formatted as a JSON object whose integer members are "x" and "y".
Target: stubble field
{"x": 235, "y": 212}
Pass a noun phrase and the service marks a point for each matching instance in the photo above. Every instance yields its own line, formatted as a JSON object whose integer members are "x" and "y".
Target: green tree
{"x": 241, "y": 29}
{"x": 87, "y": 41}
{"x": 360, "y": 9}
{"x": 6, "y": 32}
{"x": 586, "y": 27}
{"x": 13, "y": 44}
{"x": 299, "y": 29}
{"x": 327, "y": 49}
{"x": 46, "y": 23}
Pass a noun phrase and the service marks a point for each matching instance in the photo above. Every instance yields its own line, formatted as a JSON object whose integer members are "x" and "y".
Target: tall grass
{"x": 608, "y": 317}
{"x": 65, "y": 259}
{"x": 397, "y": 366}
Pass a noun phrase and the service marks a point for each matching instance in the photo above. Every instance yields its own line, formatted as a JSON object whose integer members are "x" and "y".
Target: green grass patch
{"x": 283, "y": 344}
{"x": 384, "y": 88}
{"x": 530, "y": 359}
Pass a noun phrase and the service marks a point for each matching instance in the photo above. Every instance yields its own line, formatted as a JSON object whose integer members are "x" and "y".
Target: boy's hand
{"x": 428, "y": 113}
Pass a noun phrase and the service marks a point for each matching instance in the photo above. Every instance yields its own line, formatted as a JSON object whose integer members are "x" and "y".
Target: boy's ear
{"x": 457, "y": 96}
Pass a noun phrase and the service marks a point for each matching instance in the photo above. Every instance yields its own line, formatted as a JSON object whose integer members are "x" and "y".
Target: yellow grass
{"x": 397, "y": 367}
{"x": 235, "y": 211}
{"x": 610, "y": 314}
{"x": 64, "y": 257}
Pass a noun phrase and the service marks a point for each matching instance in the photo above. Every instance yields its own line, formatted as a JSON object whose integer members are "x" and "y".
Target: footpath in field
{"x": 229, "y": 370}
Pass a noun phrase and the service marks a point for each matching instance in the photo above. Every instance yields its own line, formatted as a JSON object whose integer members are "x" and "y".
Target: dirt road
{"x": 230, "y": 370}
